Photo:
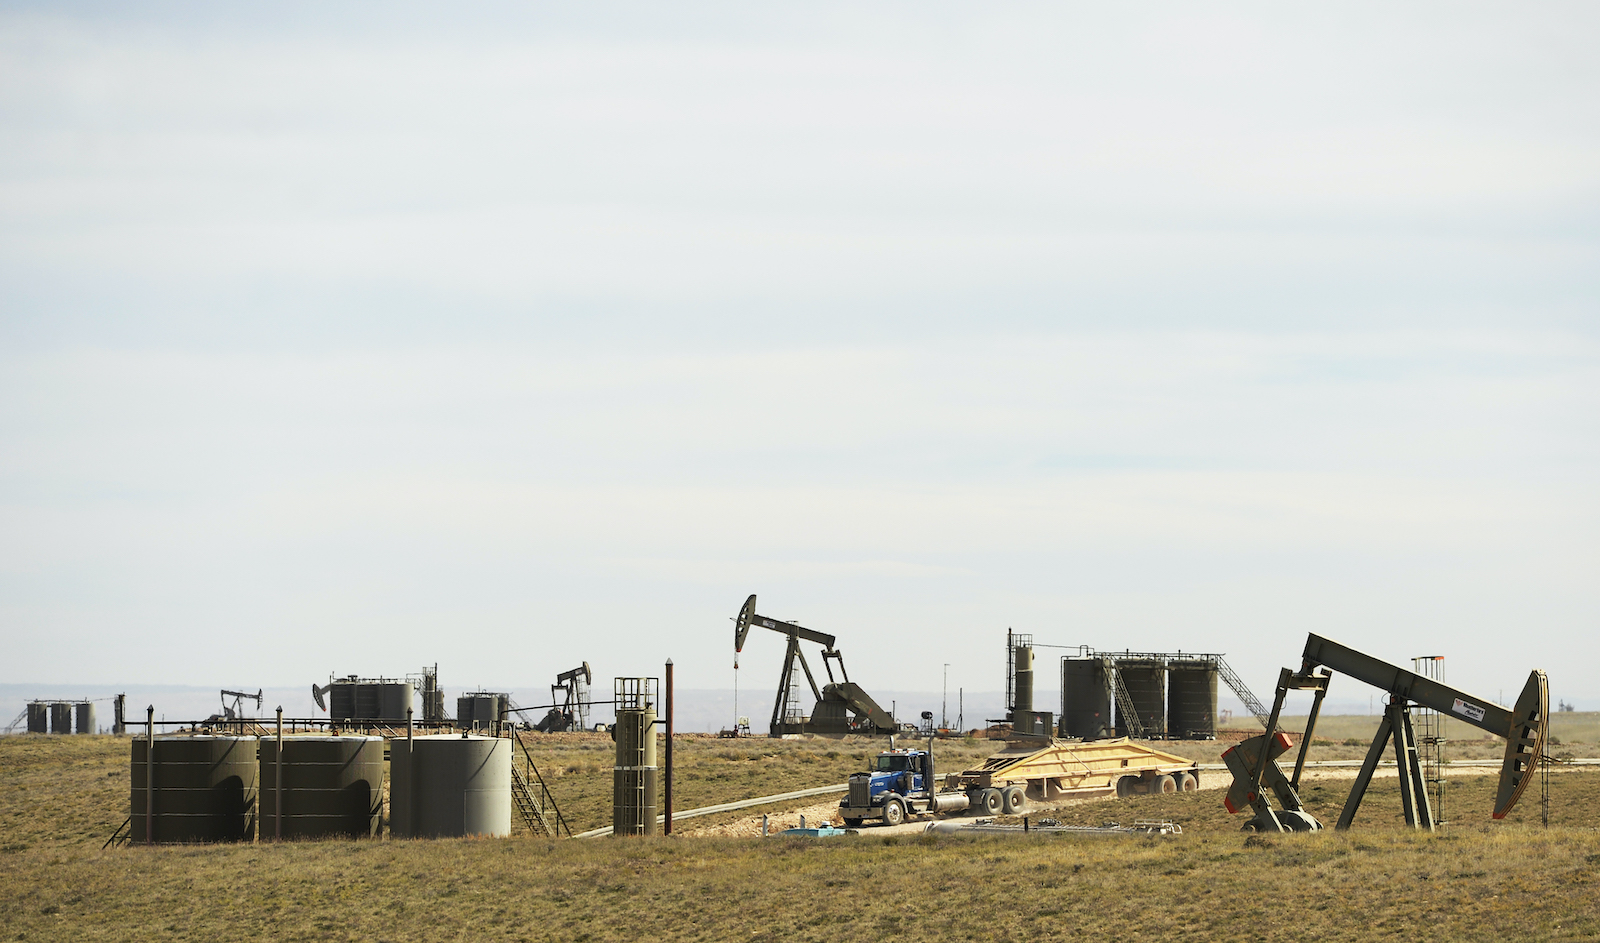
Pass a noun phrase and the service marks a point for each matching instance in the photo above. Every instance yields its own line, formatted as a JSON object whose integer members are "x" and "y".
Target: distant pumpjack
{"x": 570, "y": 694}
{"x": 835, "y": 701}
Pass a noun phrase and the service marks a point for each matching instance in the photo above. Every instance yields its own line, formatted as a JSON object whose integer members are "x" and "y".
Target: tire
{"x": 1187, "y": 782}
{"x": 1011, "y": 799}
{"x": 893, "y": 812}
{"x": 1125, "y": 786}
{"x": 1164, "y": 784}
{"x": 990, "y": 802}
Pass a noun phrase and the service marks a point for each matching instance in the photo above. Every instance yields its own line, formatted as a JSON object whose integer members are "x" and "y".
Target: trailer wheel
{"x": 1187, "y": 782}
{"x": 1125, "y": 786}
{"x": 1164, "y": 783}
{"x": 1011, "y": 799}
{"x": 893, "y": 812}
{"x": 991, "y": 802}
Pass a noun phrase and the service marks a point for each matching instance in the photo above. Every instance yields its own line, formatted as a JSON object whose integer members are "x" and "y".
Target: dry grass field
{"x": 1479, "y": 880}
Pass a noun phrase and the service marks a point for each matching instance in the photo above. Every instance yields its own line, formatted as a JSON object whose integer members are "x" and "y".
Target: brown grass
{"x": 1477, "y": 881}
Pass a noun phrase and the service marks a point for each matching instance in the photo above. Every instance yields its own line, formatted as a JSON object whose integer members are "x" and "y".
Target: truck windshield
{"x": 889, "y": 763}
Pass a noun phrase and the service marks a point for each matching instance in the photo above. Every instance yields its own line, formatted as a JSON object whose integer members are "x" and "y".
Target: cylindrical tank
{"x": 1192, "y": 699}
{"x": 636, "y": 778}
{"x": 394, "y": 699}
{"x": 38, "y": 717}
{"x": 204, "y": 789}
{"x": 449, "y": 786}
{"x": 331, "y": 786}
{"x": 85, "y": 716}
{"x": 381, "y": 701}
{"x": 1085, "y": 702}
{"x": 1145, "y": 680}
{"x": 1023, "y": 659}
{"x": 60, "y": 717}
{"x": 479, "y": 710}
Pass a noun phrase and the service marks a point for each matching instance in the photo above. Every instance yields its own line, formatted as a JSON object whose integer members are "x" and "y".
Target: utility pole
{"x": 944, "y": 699}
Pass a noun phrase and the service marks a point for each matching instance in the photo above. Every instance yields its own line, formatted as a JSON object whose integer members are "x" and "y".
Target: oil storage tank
{"x": 379, "y": 700}
{"x": 331, "y": 786}
{"x": 1085, "y": 702}
{"x": 38, "y": 717}
{"x": 480, "y": 709}
{"x": 1192, "y": 699}
{"x": 450, "y": 786}
{"x": 84, "y": 717}
{"x": 60, "y": 717}
{"x": 200, "y": 789}
{"x": 1146, "y": 682}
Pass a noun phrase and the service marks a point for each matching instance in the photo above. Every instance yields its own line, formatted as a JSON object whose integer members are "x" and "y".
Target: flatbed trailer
{"x": 1073, "y": 769}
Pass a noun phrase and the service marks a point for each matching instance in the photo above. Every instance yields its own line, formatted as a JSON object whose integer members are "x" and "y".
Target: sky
{"x": 352, "y": 338}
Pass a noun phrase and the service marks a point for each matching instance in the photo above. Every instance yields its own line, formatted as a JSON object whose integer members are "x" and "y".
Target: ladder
{"x": 1119, "y": 691}
{"x": 16, "y": 722}
{"x": 1430, "y": 735}
{"x": 532, "y": 797}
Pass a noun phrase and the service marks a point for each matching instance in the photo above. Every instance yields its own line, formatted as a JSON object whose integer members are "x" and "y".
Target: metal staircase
{"x": 1119, "y": 691}
{"x": 532, "y": 797}
{"x": 1237, "y": 686}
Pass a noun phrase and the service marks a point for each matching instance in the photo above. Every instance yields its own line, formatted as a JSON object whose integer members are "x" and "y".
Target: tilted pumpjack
{"x": 1253, "y": 762}
{"x": 833, "y": 700}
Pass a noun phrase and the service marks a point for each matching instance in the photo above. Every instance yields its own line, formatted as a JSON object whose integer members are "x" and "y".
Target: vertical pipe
{"x": 150, "y": 775}
{"x": 277, "y": 784}
{"x": 409, "y": 824}
{"x": 668, "y": 796}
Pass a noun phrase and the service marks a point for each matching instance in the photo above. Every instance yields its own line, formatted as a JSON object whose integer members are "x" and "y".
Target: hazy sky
{"x": 353, "y": 338}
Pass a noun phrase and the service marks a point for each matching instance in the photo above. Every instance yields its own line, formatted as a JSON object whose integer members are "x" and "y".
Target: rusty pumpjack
{"x": 835, "y": 701}
{"x": 1254, "y": 765}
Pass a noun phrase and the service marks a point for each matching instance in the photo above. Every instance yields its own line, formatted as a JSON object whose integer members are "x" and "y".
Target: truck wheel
{"x": 893, "y": 812}
{"x": 1125, "y": 787}
{"x": 1011, "y": 799}
{"x": 1164, "y": 783}
{"x": 1187, "y": 782}
{"x": 991, "y": 802}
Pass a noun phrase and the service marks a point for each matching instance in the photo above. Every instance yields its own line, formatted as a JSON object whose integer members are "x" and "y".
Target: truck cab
{"x": 900, "y": 782}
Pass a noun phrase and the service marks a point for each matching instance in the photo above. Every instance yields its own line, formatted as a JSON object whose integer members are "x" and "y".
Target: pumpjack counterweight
{"x": 1254, "y": 761}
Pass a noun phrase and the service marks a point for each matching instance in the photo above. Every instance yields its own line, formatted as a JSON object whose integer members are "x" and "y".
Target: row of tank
{"x": 58, "y": 717}
{"x": 225, "y": 789}
{"x": 390, "y": 702}
{"x": 1172, "y": 696}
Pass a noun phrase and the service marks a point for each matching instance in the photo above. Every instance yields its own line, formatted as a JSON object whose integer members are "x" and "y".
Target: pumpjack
{"x": 841, "y": 705}
{"x": 1254, "y": 765}
{"x": 570, "y": 700}
{"x": 235, "y": 711}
